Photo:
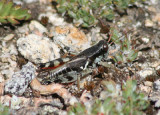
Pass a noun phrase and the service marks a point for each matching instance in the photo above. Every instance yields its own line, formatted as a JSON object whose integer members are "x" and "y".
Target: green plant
{"x": 119, "y": 100}
{"x": 87, "y": 12}
{"x": 11, "y": 14}
{"x": 4, "y": 110}
{"x": 126, "y": 53}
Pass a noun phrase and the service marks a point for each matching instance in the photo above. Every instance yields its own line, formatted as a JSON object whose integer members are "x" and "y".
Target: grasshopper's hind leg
{"x": 82, "y": 75}
{"x": 78, "y": 82}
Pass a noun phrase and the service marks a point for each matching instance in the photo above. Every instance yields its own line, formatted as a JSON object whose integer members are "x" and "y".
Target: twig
{"x": 50, "y": 89}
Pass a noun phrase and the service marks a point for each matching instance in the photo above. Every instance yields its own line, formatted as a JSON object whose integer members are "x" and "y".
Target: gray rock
{"x": 20, "y": 80}
{"x": 156, "y": 85}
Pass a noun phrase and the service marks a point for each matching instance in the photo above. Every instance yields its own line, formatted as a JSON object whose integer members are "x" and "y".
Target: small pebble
{"x": 8, "y": 37}
{"x": 146, "y": 72}
{"x": 35, "y": 25}
{"x": 73, "y": 100}
{"x": 15, "y": 102}
{"x": 145, "y": 89}
{"x": 149, "y": 23}
{"x": 148, "y": 83}
{"x": 145, "y": 40}
{"x": 156, "y": 85}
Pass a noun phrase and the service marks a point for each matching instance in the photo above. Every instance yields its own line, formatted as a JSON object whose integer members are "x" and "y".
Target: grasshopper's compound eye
{"x": 105, "y": 47}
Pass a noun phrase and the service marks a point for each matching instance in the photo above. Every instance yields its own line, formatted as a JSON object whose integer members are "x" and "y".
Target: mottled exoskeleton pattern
{"x": 66, "y": 78}
{"x": 53, "y": 63}
{"x": 20, "y": 80}
{"x": 66, "y": 73}
{"x": 75, "y": 65}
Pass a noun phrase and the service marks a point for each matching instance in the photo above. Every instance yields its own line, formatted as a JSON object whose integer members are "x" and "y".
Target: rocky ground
{"x": 48, "y": 36}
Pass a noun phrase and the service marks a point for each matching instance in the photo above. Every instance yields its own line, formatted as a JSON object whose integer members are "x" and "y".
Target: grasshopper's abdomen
{"x": 53, "y": 64}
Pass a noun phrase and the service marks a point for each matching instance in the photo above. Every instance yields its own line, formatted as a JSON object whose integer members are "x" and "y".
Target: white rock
{"x": 23, "y": 29}
{"x": 158, "y": 67}
{"x": 49, "y": 109}
{"x": 4, "y": 58}
{"x": 94, "y": 34}
{"x": 144, "y": 65}
{"x": 146, "y": 89}
{"x": 103, "y": 95}
{"x": 8, "y": 37}
{"x": 155, "y": 64}
{"x": 17, "y": 2}
{"x": 157, "y": 104}
{"x": 149, "y": 23}
{"x": 13, "y": 50}
{"x": 78, "y": 22}
{"x": 148, "y": 83}
{"x": 146, "y": 72}
{"x": 7, "y": 72}
{"x": 1, "y": 78}
{"x": 12, "y": 63}
{"x": 4, "y": 43}
{"x": 154, "y": 1}
{"x": 68, "y": 36}
{"x": 140, "y": 53}
{"x": 30, "y": 1}
{"x": 15, "y": 102}
{"x": 9, "y": 50}
{"x": 138, "y": 24}
{"x": 5, "y": 100}
{"x": 145, "y": 40}
{"x": 156, "y": 85}
{"x": 73, "y": 100}
{"x": 35, "y": 25}
{"x": 154, "y": 53}
{"x": 38, "y": 49}
{"x": 55, "y": 19}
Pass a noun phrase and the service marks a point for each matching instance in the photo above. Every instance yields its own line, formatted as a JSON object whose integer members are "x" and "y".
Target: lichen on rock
{"x": 38, "y": 49}
{"x": 20, "y": 80}
{"x": 71, "y": 37}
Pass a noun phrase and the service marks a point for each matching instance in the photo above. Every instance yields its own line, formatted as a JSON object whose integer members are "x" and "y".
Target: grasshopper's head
{"x": 104, "y": 45}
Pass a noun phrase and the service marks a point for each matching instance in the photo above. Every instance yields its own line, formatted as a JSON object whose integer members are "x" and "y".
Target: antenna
{"x": 110, "y": 31}
{"x": 121, "y": 37}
